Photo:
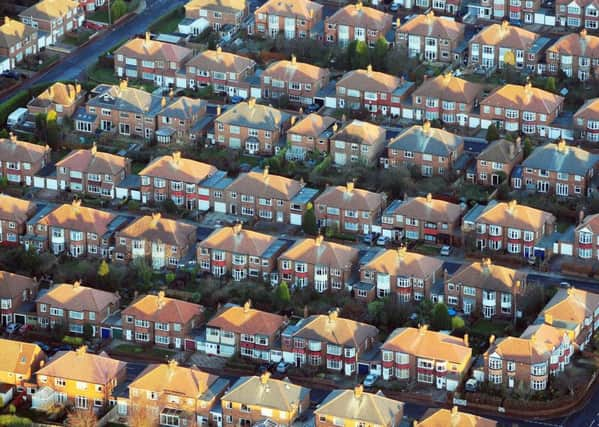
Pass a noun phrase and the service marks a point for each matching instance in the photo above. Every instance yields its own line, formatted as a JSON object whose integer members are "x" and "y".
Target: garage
{"x": 51, "y": 184}
{"x": 220, "y": 207}
{"x": 295, "y": 219}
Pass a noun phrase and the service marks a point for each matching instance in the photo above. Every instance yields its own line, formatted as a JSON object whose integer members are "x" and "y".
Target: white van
{"x": 16, "y": 117}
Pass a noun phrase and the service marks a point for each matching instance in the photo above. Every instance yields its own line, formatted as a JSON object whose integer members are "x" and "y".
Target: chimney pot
{"x": 247, "y": 306}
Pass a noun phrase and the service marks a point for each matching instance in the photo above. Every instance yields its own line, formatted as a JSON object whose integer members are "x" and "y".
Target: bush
{"x": 74, "y": 341}
{"x": 457, "y": 323}
{"x": 14, "y": 421}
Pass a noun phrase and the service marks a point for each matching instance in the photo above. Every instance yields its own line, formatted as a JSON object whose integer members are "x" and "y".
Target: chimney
{"x": 76, "y": 284}
{"x": 171, "y": 94}
{"x": 163, "y": 102}
{"x": 445, "y": 275}
{"x": 401, "y": 252}
{"x": 12, "y": 137}
{"x": 528, "y": 90}
{"x": 422, "y": 329}
{"x": 264, "y": 377}
{"x": 293, "y": 119}
{"x": 447, "y": 76}
{"x": 398, "y": 22}
{"x": 580, "y": 216}
{"x": 77, "y": 88}
{"x": 533, "y": 338}
{"x": 333, "y": 314}
{"x": 369, "y": 69}
{"x": 548, "y": 318}
{"x": 430, "y": 16}
{"x": 246, "y": 306}
{"x": 504, "y": 26}
{"x": 237, "y": 228}
{"x": 172, "y": 364}
{"x": 251, "y": 103}
{"x": 6, "y": 20}
{"x": 293, "y": 59}
{"x": 562, "y": 147}
{"x": 429, "y": 198}
{"x": 518, "y": 144}
{"x": 455, "y": 417}
{"x": 491, "y": 339}
{"x": 583, "y": 34}
{"x": 426, "y": 127}
{"x": 218, "y": 110}
{"x": 359, "y": 5}
{"x": 265, "y": 171}
{"x": 76, "y": 204}
{"x": 343, "y": 118}
{"x": 511, "y": 206}
{"x": 335, "y": 127}
{"x": 486, "y": 264}
{"x": 466, "y": 340}
{"x": 147, "y": 36}
{"x": 176, "y": 157}
{"x": 160, "y": 300}
{"x": 156, "y": 216}
{"x": 219, "y": 50}
{"x": 358, "y": 391}
{"x": 81, "y": 350}
{"x": 318, "y": 240}
{"x": 123, "y": 84}
{"x": 94, "y": 149}
{"x": 349, "y": 187}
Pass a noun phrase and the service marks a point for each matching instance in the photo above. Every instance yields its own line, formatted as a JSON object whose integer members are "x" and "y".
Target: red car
{"x": 21, "y": 400}
{"x": 24, "y": 329}
{"x": 93, "y": 26}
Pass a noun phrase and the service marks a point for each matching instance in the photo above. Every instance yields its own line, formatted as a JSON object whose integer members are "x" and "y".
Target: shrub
{"x": 74, "y": 341}
{"x": 457, "y": 323}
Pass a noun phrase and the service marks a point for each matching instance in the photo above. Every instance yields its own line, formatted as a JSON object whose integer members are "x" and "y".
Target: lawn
{"x": 152, "y": 352}
{"x": 77, "y": 38}
{"x": 487, "y": 327}
{"x": 101, "y": 14}
{"x": 168, "y": 23}
{"x": 100, "y": 74}
{"x": 425, "y": 249}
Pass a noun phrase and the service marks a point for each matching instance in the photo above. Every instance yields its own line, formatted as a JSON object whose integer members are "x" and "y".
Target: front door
{"x": 279, "y": 216}
{"x": 128, "y": 334}
{"x": 495, "y": 179}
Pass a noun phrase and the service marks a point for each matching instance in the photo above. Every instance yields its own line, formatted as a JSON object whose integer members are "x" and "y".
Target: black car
{"x": 11, "y": 74}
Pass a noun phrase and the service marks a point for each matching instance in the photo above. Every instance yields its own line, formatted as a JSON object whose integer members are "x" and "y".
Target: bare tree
{"x": 141, "y": 416}
{"x": 82, "y": 418}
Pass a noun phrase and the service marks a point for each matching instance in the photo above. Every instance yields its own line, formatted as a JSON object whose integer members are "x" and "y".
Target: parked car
{"x": 394, "y": 7}
{"x": 565, "y": 285}
{"x": 93, "y": 25}
{"x": 312, "y": 108}
{"x": 12, "y": 328}
{"x": 236, "y": 99}
{"x": 370, "y": 238}
{"x": 370, "y": 380}
{"x": 21, "y": 400}
{"x": 445, "y": 250}
{"x": 24, "y": 329}
{"x": 62, "y": 347}
{"x": 471, "y": 385}
{"x": 42, "y": 345}
{"x": 16, "y": 117}
{"x": 282, "y": 367}
{"x": 382, "y": 240}
{"x": 11, "y": 74}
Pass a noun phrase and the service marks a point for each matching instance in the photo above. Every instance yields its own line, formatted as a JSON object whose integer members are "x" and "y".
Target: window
{"x": 495, "y": 363}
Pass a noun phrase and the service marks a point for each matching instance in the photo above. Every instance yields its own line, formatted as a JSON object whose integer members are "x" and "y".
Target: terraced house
{"x": 121, "y": 109}
{"x": 74, "y": 229}
{"x": 577, "y": 13}
{"x": 151, "y": 60}
{"x": 161, "y": 320}
{"x": 577, "y": 55}
{"x": 557, "y": 169}
{"x": 517, "y": 108}
{"x": 75, "y": 306}
{"x": 218, "y": 13}
{"x": 162, "y": 242}
{"x": 295, "y": 19}
{"x": 179, "y": 179}
{"x": 17, "y": 41}
{"x": 244, "y": 331}
{"x": 349, "y": 209}
{"x": 223, "y": 71}
{"x": 241, "y": 253}
{"x": 513, "y": 227}
{"x": 251, "y": 127}
{"x": 90, "y": 386}
{"x": 431, "y": 38}
{"x": 357, "y": 142}
{"x": 499, "y": 44}
{"x": 181, "y": 395}
{"x": 518, "y": 12}
{"x": 586, "y": 238}
{"x": 20, "y": 160}
{"x": 252, "y": 399}
{"x": 447, "y": 98}
{"x": 182, "y": 121}
{"x": 15, "y": 290}
{"x": 404, "y": 276}
{"x": 357, "y": 22}
{"x": 62, "y": 98}
{"x": 586, "y": 121}
{"x": 422, "y": 218}
{"x": 377, "y": 92}
{"x": 328, "y": 340}
{"x": 14, "y": 214}
{"x": 298, "y": 81}
{"x": 427, "y": 357}
{"x": 496, "y": 162}
{"x": 266, "y": 196}
{"x": 434, "y": 151}
{"x": 19, "y": 362}
{"x": 92, "y": 172}
{"x": 484, "y": 288}
{"x": 310, "y": 134}
{"x": 53, "y": 19}
{"x": 314, "y": 262}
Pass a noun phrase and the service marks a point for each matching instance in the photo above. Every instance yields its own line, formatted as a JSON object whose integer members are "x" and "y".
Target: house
{"x": 431, "y": 150}
{"x": 495, "y": 163}
{"x": 15, "y": 290}
{"x": 20, "y": 360}
{"x": 310, "y": 134}
{"x": 298, "y": 81}
{"x": 447, "y": 98}
{"x": 498, "y": 44}
{"x": 576, "y": 14}
{"x": 357, "y": 22}
{"x": 405, "y": 276}
{"x": 180, "y": 121}
{"x": 176, "y": 178}
{"x": 163, "y": 242}
{"x": 295, "y": 19}
{"x": 218, "y": 13}
{"x": 352, "y": 407}
{"x": 251, "y": 127}
{"x": 74, "y": 229}
{"x": 121, "y": 109}
{"x": 451, "y": 417}
{"x": 377, "y": 92}
{"x": 314, "y": 262}
{"x": 62, "y": 98}
{"x": 576, "y": 55}
{"x": 17, "y": 41}
{"x": 84, "y": 380}
{"x": 349, "y": 209}
{"x": 586, "y": 121}
{"x": 357, "y": 142}
{"x": 586, "y": 241}
{"x": 431, "y": 38}
{"x": 435, "y": 221}
{"x": 329, "y": 341}
{"x": 14, "y": 214}
{"x": 251, "y": 400}
{"x": 513, "y": 227}
{"x": 93, "y": 172}
{"x": 517, "y": 108}
{"x": 20, "y": 160}
{"x": 75, "y": 306}
{"x": 517, "y": 13}
{"x": 486, "y": 289}
{"x": 267, "y": 196}
{"x": 577, "y": 312}
{"x": 223, "y": 71}
{"x": 426, "y": 357}
{"x": 241, "y": 253}
{"x": 53, "y": 19}
{"x": 160, "y": 320}
{"x": 151, "y": 60}
{"x": 244, "y": 331}
{"x": 557, "y": 169}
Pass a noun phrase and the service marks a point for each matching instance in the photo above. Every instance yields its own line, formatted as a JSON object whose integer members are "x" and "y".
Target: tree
{"x": 103, "y": 269}
{"x": 359, "y": 57}
{"x": 82, "y": 418}
{"x": 143, "y": 271}
{"x": 441, "y": 320}
{"x": 527, "y": 147}
{"x": 283, "y": 294}
{"x": 88, "y": 331}
{"x": 492, "y": 133}
{"x": 309, "y": 224}
{"x": 424, "y": 312}
{"x": 140, "y": 416}
{"x": 170, "y": 277}
{"x": 52, "y": 130}
{"x": 379, "y": 53}
{"x": 551, "y": 84}
{"x": 117, "y": 9}
{"x": 169, "y": 206}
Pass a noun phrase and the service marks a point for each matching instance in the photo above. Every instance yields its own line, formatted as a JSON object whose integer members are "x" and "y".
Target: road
{"x": 74, "y": 65}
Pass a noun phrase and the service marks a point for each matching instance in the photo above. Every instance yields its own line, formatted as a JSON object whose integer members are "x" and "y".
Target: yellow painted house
{"x": 18, "y": 361}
